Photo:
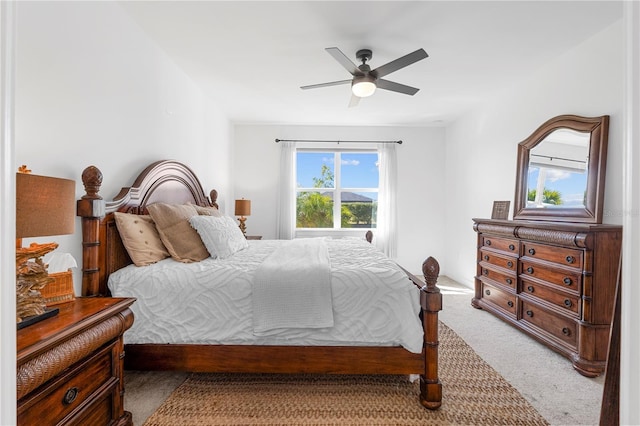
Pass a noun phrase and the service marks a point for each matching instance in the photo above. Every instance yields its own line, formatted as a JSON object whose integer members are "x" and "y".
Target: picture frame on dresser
{"x": 500, "y": 210}
{"x": 552, "y": 271}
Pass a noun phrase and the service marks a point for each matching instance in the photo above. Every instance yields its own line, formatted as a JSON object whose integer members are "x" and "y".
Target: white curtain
{"x": 386, "y": 229}
{"x": 286, "y": 198}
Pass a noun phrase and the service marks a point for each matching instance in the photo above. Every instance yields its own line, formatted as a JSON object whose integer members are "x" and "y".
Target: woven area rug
{"x": 473, "y": 394}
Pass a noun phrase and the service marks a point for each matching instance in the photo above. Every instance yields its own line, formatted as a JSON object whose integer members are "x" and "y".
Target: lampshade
{"x": 363, "y": 86}
{"x": 243, "y": 207}
{"x": 45, "y": 206}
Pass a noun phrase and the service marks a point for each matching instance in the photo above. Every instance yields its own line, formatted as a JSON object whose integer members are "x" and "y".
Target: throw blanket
{"x": 292, "y": 288}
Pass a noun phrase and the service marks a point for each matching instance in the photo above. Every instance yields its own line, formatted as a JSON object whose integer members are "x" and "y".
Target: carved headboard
{"x": 102, "y": 249}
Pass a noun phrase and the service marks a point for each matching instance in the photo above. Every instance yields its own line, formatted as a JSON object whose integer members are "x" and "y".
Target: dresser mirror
{"x": 561, "y": 170}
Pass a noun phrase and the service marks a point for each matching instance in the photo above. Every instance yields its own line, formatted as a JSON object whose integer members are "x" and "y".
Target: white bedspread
{"x": 210, "y": 302}
{"x": 292, "y": 288}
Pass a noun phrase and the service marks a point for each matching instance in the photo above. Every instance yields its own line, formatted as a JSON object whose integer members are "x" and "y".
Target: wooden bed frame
{"x": 173, "y": 182}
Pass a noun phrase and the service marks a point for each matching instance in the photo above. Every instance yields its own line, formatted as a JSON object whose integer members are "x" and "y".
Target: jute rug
{"x": 473, "y": 394}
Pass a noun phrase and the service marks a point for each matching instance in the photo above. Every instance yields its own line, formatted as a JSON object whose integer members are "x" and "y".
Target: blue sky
{"x": 359, "y": 170}
{"x": 571, "y": 185}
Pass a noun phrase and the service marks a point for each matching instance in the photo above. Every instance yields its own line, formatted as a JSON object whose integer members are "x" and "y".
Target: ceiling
{"x": 252, "y": 57}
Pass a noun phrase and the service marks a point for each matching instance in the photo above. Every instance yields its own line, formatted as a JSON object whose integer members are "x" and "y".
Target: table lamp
{"x": 243, "y": 208}
{"x": 45, "y": 206}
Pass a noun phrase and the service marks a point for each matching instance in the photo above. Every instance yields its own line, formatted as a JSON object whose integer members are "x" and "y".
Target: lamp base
{"x": 48, "y": 313}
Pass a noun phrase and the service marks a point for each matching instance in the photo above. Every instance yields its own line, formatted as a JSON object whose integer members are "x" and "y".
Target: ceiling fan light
{"x": 363, "y": 88}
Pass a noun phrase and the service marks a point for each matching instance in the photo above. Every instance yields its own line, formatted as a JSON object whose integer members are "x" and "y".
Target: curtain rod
{"x": 337, "y": 141}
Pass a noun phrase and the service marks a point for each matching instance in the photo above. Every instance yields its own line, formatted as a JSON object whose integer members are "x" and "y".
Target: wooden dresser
{"x": 70, "y": 367}
{"x": 556, "y": 281}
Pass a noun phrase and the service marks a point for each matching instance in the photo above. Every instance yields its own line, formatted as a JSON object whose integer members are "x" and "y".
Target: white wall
{"x": 482, "y": 146}
{"x": 92, "y": 89}
{"x": 421, "y": 209}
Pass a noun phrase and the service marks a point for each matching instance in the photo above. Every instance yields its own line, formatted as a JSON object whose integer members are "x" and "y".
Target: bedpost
{"x": 431, "y": 302}
{"x": 91, "y": 208}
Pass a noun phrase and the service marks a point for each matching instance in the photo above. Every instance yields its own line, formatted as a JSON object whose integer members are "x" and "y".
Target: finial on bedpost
{"x": 213, "y": 195}
{"x": 431, "y": 270}
{"x": 92, "y": 180}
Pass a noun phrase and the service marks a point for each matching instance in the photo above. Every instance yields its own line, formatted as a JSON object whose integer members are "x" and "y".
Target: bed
{"x": 106, "y": 265}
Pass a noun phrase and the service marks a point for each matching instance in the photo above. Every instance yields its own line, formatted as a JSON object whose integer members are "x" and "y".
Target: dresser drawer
{"x": 560, "y": 255}
{"x": 499, "y": 277}
{"x": 505, "y": 245}
{"x": 569, "y": 303}
{"x": 500, "y": 260}
{"x": 70, "y": 391}
{"x": 499, "y": 298}
{"x": 560, "y": 327}
{"x": 565, "y": 279}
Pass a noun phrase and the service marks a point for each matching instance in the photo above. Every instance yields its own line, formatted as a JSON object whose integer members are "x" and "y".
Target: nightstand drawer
{"x": 71, "y": 390}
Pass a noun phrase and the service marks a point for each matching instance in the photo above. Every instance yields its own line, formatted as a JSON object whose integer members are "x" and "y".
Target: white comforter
{"x": 210, "y": 302}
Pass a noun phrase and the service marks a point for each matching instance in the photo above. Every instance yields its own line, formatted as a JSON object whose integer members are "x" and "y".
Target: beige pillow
{"x": 141, "y": 239}
{"x": 207, "y": 211}
{"x": 180, "y": 239}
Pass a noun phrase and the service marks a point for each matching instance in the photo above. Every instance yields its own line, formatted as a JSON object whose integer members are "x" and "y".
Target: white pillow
{"x": 220, "y": 235}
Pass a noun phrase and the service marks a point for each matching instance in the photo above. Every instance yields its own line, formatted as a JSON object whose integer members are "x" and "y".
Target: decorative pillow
{"x": 220, "y": 235}
{"x": 180, "y": 239}
{"x": 141, "y": 239}
{"x": 207, "y": 211}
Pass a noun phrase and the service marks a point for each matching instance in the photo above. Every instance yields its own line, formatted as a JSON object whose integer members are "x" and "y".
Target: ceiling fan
{"x": 365, "y": 80}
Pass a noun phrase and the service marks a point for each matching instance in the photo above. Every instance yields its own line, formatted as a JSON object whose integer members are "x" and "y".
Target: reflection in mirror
{"x": 561, "y": 170}
{"x": 558, "y": 170}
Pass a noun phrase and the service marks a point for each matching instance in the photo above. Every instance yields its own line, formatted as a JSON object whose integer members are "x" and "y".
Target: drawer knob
{"x": 510, "y": 264}
{"x": 485, "y": 272}
{"x": 487, "y": 292}
{"x": 486, "y": 257}
{"x": 530, "y": 270}
{"x": 70, "y": 395}
{"x": 532, "y": 251}
{"x": 530, "y": 313}
{"x": 509, "y": 281}
{"x": 487, "y": 242}
{"x": 567, "y": 280}
{"x": 512, "y": 247}
{"x": 510, "y": 304}
{"x": 530, "y": 289}
{"x": 566, "y": 331}
{"x": 570, "y": 259}
{"x": 568, "y": 303}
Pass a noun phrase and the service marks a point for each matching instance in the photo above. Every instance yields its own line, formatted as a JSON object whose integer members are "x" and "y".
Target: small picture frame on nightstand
{"x": 500, "y": 210}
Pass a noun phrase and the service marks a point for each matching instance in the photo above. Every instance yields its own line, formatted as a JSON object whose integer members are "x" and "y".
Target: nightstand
{"x": 70, "y": 367}
{"x": 254, "y": 237}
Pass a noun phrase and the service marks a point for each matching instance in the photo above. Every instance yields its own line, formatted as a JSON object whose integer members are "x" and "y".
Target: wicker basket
{"x": 60, "y": 290}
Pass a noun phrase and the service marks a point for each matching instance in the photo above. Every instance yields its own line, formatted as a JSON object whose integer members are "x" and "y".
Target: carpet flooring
{"x": 473, "y": 393}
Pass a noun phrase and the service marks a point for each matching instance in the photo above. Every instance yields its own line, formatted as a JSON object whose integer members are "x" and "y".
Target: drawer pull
{"x": 567, "y": 280}
{"x": 530, "y": 313}
{"x": 532, "y": 251}
{"x": 568, "y": 303}
{"x": 487, "y": 292}
{"x": 487, "y": 242}
{"x": 570, "y": 259}
{"x": 510, "y": 304}
{"x": 509, "y": 281}
{"x": 530, "y": 289}
{"x": 510, "y": 264}
{"x": 530, "y": 270}
{"x": 566, "y": 331}
{"x": 486, "y": 257}
{"x": 512, "y": 247}
{"x": 70, "y": 395}
{"x": 485, "y": 272}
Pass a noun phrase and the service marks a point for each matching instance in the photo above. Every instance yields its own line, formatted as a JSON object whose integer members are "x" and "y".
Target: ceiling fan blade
{"x": 399, "y": 63}
{"x": 355, "y": 100}
{"x": 344, "y": 60}
{"x": 396, "y": 87}
{"x": 332, "y": 83}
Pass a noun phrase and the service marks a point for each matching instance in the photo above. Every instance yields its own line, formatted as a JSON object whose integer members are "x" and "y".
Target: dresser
{"x": 555, "y": 281}
{"x": 70, "y": 367}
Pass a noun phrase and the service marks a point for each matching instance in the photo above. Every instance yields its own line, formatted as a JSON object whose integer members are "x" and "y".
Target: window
{"x": 336, "y": 189}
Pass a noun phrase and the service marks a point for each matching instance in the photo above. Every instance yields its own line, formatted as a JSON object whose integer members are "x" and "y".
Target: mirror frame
{"x": 598, "y": 127}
